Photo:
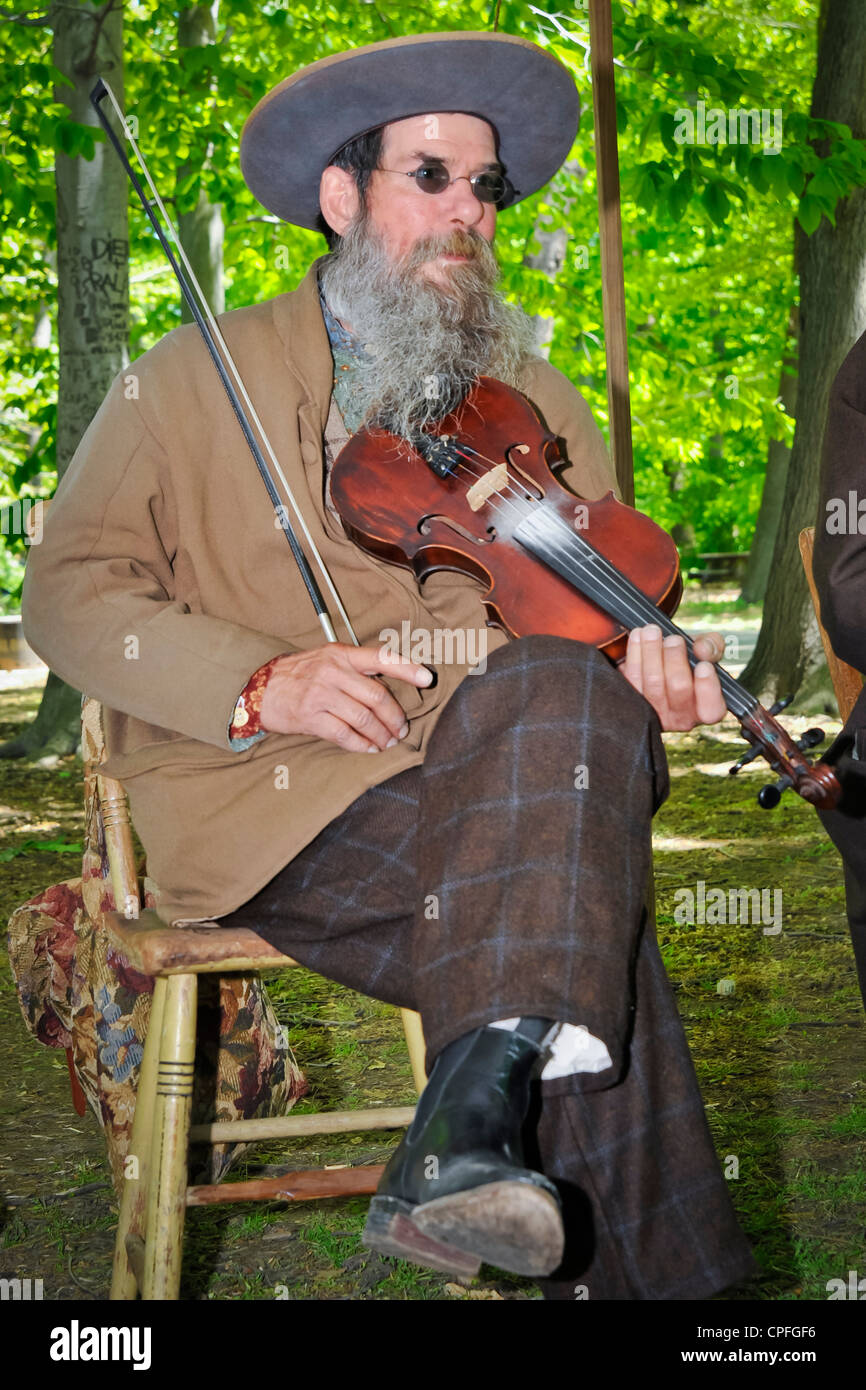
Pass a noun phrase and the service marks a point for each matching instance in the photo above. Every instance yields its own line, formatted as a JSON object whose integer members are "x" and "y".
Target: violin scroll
{"x": 817, "y": 783}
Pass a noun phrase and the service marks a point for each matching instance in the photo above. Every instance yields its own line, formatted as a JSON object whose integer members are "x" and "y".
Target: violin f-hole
{"x": 530, "y": 484}
{"x": 424, "y": 528}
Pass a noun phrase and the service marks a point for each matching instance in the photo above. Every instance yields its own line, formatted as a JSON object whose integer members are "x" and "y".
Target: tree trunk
{"x": 550, "y": 260}
{"x": 201, "y": 231}
{"x": 832, "y": 266}
{"x": 775, "y": 479}
{"x": 92, "y": 294}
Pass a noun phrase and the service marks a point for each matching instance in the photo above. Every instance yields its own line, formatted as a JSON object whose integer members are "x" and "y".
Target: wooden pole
{"x": 610, "y": 229}
{"x": 613, "y": 276}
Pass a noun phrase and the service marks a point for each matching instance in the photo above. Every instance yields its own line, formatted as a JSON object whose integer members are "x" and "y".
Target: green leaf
{"x": 679, "y": 194}
{"x": 667, "y": 126}
{"x": 826, "y": 183}
{"x": 66, "y": 137}
{"x": 644, "y": 59}
{"x": 796, "y": 178}
{"x": 58, "y": 77}
{"x": 716, "y": 202}
{"x": 650, "y": 125}
{"x": 734, "y": 190}
{"x": 776, "y": 175}
{"x": 742, "y": 160}
{"x": 757, "y": 174}
{"x": 808, "y": 214}
{"x": 186, "y": 183}
{"x": 641, "y": 187}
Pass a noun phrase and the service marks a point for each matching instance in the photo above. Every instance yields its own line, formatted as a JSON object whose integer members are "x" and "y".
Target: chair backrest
{"x": 847, "y": 681}
{"x": 105, "y": 797}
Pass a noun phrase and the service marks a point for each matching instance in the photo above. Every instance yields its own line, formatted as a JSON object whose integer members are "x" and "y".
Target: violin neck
{"x": 551, "y": 540}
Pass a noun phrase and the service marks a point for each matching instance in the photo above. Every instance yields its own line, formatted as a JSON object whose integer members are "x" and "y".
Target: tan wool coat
{"x": 162, "y": 583}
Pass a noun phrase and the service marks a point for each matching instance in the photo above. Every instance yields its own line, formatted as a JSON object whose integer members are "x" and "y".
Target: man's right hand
{"x": 329, "y": 692}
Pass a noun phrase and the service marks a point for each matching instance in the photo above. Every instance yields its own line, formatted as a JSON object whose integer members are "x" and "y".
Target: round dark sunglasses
{"x": 488, "y": 187}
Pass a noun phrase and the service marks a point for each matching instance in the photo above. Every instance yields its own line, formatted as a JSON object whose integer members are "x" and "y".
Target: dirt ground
{"x": 780, "y": 1052}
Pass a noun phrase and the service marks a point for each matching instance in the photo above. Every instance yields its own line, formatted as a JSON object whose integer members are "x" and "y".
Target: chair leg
{"x": 416, "y": 1045}
{"x": 133, "y": 1200}
{"x": 169, "y": 1176}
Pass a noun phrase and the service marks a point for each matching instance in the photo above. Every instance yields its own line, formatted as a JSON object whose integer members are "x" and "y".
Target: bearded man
{"x": 463, "y": 870}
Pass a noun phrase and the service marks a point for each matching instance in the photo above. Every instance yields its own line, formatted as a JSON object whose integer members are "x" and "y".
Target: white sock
{"x": 572, "y": 1049}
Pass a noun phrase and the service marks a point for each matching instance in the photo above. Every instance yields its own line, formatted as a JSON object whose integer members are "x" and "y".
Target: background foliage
{"x": 708, "y": 229}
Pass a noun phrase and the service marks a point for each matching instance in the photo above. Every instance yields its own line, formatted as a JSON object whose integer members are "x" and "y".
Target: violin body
{"x": 395, "y": 506}
{"x": 475, "y": 494}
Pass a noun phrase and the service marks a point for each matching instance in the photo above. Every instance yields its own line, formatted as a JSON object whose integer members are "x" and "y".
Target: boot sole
{"x": 390, "y": 1230}
{"x": 516, "y": 1226}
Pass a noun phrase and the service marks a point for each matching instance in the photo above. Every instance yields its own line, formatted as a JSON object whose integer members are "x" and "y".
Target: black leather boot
{"x": 455, "y": 1191}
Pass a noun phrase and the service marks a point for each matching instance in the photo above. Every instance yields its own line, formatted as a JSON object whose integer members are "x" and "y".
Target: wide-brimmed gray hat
{"x": 527, "y": 96}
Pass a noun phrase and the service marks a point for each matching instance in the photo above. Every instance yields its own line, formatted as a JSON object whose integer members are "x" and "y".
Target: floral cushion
{"x": 76, "y": 991}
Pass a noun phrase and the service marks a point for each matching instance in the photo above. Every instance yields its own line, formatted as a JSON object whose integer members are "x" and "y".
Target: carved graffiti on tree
{"x": 98, "y": 280}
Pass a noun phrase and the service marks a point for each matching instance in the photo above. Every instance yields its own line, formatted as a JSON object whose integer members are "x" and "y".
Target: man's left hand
{"x": 660, "y": 671}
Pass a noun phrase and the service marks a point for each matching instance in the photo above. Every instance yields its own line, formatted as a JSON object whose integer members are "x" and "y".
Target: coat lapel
{"x": 306, "y": 349}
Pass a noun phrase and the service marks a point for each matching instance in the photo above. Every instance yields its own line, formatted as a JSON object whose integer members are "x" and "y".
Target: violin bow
{"x": 225, "y": 365}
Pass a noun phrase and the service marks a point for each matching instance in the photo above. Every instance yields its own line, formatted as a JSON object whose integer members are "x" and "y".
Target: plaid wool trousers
{"x": 507, "y": 876}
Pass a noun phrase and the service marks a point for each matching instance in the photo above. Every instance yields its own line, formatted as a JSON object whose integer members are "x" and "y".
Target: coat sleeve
{"x": 840, "y": 550}
{"x": 99, "y": 603}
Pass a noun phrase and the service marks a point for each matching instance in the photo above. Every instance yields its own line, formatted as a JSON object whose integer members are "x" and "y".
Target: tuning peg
{"x": 810, "y": 739}
{"x": 780, "y": 705}
{"x": 747, "y": 757}
{"x": 771, "y": 795}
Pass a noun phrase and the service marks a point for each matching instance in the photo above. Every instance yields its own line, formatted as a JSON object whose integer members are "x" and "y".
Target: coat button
{"x": 309, "y": 452}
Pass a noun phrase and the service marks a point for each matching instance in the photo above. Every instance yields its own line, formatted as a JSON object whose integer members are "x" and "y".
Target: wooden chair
{"x": 148, "y": 1246}
{"x": 847, "y": 681}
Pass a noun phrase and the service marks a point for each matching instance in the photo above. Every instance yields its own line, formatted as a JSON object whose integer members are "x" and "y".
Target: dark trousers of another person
{"x": 846, "y": 826}
{"x": 506, "y": 876}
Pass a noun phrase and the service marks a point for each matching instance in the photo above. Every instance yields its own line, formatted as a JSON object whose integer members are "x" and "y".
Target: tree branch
{"x": 383, "y": 18}
{"x": 765, "y": 23}
{"x": 85, "y": 67}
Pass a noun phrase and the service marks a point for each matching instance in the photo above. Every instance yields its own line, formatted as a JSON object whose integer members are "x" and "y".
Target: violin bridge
{"x": 494, "y": 480}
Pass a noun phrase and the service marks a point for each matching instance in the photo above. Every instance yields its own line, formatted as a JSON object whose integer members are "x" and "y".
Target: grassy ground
{"x": 780, "y": 1059}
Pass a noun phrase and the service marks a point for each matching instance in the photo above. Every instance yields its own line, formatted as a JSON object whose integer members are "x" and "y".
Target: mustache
{"x": 461, "y": 242}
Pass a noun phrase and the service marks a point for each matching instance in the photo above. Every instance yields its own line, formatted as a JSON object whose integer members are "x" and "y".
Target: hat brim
{"x": 526, "y": 95}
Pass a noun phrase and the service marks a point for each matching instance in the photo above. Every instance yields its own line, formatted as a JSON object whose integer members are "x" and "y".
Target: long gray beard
{"x": 425, "y": 345}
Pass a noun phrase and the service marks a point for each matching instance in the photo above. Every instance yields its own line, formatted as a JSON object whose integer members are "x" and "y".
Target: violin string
{"x": 633, "y": 607}
{"x": 632, "y": 603}
{"x": 737, "y": 698}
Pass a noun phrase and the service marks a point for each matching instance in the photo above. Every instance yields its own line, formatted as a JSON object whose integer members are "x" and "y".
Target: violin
{"x": 476, "y": 494}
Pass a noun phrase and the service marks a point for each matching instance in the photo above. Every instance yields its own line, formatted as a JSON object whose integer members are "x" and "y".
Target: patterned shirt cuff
{"x": 245, "y": 728}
